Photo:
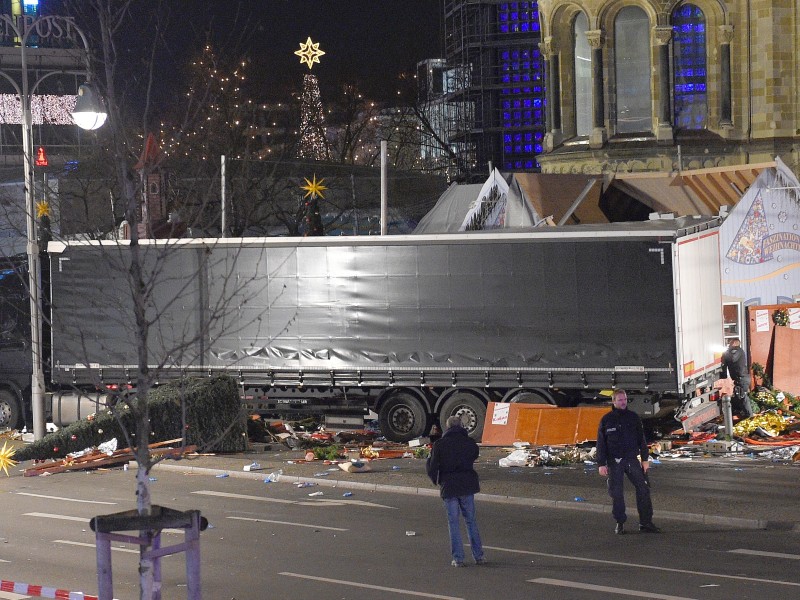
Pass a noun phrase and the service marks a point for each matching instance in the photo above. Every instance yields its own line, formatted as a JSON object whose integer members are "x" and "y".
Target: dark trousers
{"x": 740, "y": 403}
{"x": 616, "y": 476}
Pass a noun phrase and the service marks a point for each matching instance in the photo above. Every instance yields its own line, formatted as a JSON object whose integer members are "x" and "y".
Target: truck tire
{"x": 10, "y": 411}
{"x": 470, "y": 408}
{"x": 402, "y": 418}
{"x": 534, "y": 397}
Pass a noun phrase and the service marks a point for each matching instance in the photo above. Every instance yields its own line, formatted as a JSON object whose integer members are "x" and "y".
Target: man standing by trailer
{"x": 734, "y": 365}
{"x": 620, "y": 446}
{"x": 450, "y": 466}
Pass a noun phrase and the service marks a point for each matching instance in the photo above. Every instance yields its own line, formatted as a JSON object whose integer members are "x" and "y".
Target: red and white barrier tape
{"x": 40, "y": 591}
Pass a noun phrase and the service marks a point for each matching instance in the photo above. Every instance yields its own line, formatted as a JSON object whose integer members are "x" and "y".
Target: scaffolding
{"x": 495, "y": 92}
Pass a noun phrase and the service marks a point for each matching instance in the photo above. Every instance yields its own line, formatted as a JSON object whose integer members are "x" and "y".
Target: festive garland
{"x": 781, "y": 317}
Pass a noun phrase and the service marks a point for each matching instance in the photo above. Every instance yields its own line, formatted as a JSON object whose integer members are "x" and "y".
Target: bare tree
{"x": 127, "y": 77}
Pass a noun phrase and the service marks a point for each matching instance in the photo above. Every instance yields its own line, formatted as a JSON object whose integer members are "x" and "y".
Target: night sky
{"x": 368, "y": 42}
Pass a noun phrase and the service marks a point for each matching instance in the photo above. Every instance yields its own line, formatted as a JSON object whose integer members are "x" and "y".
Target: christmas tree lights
{"x": 313, "y": 143}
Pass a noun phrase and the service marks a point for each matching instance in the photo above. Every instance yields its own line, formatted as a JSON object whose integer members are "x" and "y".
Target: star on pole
{"x": 42, "y": 209}
{"x": 309, "y": 52}
{"x": 6, "y": 452}
{"x": 314, "y": 188}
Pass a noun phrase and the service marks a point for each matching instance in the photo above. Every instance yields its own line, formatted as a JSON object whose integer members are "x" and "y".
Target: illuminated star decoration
{"x": 314, "y": 188}
{"x": 42, "y": 209}
{"x": 309, "y": 53}
{"x": 6, "y": 453}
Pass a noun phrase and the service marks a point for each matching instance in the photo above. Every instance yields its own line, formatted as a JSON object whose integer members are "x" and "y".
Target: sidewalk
{"x": 739, "y": 491}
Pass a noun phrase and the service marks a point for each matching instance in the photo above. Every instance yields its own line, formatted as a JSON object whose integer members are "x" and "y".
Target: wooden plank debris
{"x": 96, "y": 459}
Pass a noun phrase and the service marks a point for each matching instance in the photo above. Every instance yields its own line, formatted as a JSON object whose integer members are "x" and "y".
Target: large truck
{"x": 413, "y": 327}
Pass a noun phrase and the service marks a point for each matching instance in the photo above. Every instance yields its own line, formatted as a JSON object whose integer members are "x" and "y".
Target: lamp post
{"x": 42, "y": 27}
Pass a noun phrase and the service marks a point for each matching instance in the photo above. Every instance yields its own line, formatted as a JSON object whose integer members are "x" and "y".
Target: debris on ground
{"x": 546, "y": 456}
{"x": 94, "y": 458}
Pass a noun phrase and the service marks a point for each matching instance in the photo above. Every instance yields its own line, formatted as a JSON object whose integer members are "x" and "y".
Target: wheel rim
{"x": 468, "y": 416}
{"x": 402, "y": 419}
{"x": 5, "y": 414}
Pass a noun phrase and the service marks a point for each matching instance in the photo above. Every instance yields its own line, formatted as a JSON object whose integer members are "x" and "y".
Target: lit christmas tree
{"x": 313, "y": 143}
{"x": 217, "y": 116}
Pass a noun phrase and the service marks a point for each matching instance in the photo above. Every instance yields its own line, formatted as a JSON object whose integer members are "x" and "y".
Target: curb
{"x": 40, "y": 591}
{"x": 735, "y": 522}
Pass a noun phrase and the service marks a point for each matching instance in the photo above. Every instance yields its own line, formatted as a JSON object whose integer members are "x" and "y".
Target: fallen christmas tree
{"x": 209, "y": 407}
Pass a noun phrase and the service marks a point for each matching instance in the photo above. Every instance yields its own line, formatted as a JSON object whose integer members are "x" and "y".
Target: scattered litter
{"x": 785, "y": 453}
{"x": 521, "y": 445}
{"x": 321, "y": 474}
{"x": 304, "y": 484}
{"x": 152, "y": 479}
{"x": 274, "y": 476}
{"x": 108, "y": 447}
{"x": 579, "y": 499}
{"x": 347, "y": 494}
{"x": 395, "y": 468}
{"x": 222, "y": 476}
{"x": 315, "y": 494}
{"x": 518, "y": 458}
{"x": 253, "y": 466}
{"x": 355, "y": 466}
{"x": 411, "y": 533}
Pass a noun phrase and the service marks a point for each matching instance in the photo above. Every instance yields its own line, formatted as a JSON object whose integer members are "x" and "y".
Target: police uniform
{"x": 734, "y": 365}
{"x": 620, "y": 445}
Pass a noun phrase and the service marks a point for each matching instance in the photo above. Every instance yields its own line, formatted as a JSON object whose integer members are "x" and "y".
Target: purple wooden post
{"x": 104, "y": 579}
{"x": 155, "y": 544}
{"x": 193, "y": 558}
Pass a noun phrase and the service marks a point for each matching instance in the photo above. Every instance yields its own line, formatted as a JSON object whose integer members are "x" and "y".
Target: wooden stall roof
{"x": 695, "y": 192}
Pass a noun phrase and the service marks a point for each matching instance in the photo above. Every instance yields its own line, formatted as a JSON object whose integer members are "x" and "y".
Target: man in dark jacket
{"x": 734, "y": 365}
{"x": 450, "y": 466}
{"x": 620, "y": 445}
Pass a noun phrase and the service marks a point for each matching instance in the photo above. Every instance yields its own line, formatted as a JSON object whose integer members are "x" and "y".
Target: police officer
{"x": 734, "y": 365}
{"x": 620, "y": 444}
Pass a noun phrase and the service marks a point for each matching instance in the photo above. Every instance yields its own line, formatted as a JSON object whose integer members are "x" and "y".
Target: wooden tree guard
{"x": 149, "y": 541}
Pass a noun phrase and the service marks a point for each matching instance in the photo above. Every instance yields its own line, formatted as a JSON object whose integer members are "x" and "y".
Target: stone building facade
{"x": 670, "y": 85}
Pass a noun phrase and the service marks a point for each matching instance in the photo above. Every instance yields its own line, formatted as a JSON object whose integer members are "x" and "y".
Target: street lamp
{"x": 41, "y": 27}
{"x": 89, "y": 112}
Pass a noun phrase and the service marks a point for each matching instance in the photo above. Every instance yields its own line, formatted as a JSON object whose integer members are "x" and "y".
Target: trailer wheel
{"x": 470, "y": 408}
{"x": 10, "y": 410}
{"x": 402, "y": 417}
{"x": 534, "y": 397}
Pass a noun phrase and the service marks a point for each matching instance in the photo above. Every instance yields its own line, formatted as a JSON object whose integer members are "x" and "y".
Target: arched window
{"x": 583, "y": 76}
{"x": 689, "y": 60}
{"x": 632, "y": 69}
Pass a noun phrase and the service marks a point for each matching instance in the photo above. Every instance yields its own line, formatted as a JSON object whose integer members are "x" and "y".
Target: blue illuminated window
{"x": 516, "y": 17}
{"x": 689, "y": 57}
{"x": 520, "y": 71}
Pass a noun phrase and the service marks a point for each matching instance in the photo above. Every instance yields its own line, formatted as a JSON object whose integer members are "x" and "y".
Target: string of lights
{"x": 45, "y": 109}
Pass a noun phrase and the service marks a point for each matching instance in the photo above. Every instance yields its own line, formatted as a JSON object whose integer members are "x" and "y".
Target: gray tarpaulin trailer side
{"x": 413, "y": 327}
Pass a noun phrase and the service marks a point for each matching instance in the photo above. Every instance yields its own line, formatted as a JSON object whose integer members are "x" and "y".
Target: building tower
{"x": 493, "y": 50}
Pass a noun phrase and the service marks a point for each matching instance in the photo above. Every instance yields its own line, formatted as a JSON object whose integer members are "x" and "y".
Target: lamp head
{"x": 90, "y": 112}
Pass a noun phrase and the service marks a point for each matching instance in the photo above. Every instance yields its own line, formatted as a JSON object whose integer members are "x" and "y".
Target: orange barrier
{"x": 540, "y": 424}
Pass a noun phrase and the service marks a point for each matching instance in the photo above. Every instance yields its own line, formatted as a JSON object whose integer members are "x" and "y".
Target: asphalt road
{"x": 274, "y": 540}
